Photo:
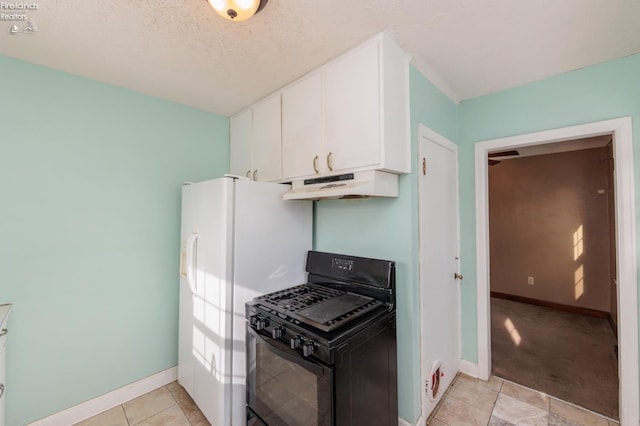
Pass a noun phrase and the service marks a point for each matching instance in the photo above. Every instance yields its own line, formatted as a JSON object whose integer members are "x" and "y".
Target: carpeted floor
{"x": 565, "y": 355}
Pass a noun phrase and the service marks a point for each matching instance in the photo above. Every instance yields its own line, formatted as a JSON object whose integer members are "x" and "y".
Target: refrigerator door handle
{"x": 191, "y": 263}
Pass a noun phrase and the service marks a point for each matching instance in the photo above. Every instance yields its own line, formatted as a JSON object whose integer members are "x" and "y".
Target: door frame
{"x": 625, "y": 218}
{"x": 425, "y": 132}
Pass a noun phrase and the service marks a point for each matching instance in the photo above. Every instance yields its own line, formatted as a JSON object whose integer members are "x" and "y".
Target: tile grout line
{"x": 444, "y": 396}
{"x": 179, "y": 406}
{"x": 161, "y": 411}
{"x": 501, "y": 388}
{"x": 126, "y": 419}
{"x": 496, "y": 401}
{"x": 562, "y": 401}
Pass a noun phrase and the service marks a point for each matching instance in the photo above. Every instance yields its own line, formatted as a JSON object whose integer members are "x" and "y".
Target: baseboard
{"x": 558, "y": 306}
{"x": 614, "y": 326}
{"x": 468, "y": 368}
{"x": 109, "y": 400}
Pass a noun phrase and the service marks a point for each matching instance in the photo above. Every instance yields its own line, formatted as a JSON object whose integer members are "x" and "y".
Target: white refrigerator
{"x": 239, "y": 239}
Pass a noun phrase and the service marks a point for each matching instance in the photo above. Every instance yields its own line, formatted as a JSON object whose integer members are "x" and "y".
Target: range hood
{"x": 371, "y": 183}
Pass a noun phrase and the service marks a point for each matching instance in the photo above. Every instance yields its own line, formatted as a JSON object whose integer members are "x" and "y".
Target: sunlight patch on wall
{"x": 579, "y": 282}
{"x": 578, "y": 243}
{"x": 515, "y": 336}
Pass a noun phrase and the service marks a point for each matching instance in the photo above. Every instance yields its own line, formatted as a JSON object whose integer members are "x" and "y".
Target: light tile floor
{"x": 169, "y": 405}
{"x": 470, "y": 401}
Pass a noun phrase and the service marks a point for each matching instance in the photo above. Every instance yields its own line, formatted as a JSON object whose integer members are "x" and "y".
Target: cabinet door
{"x": 352, "y": 109}
{"x": 266, "y": 140}
{"x": 240, "y": 144}
{"x": 302, "y": 128}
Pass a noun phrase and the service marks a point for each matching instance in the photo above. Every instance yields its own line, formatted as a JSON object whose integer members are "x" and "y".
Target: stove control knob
{"x": 277, "y": 332}
{"x": 261, "y": 323}
{"x": 296, "y": 342}
{"x": 308, "y": 348}
{"x": 253, "y": 319}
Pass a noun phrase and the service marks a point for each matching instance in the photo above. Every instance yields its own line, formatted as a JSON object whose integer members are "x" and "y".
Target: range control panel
{"x": 342, "y": 264}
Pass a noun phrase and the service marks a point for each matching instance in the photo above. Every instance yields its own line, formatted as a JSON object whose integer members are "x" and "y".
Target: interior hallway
{"x": 570, "y": 356}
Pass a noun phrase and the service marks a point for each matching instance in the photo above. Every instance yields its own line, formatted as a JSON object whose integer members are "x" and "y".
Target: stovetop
{"x": 321, "y": 307}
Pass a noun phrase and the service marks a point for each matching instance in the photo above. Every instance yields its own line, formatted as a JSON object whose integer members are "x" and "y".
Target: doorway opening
{"x": 550, "y": 263}
{"x": 625, "y": 246}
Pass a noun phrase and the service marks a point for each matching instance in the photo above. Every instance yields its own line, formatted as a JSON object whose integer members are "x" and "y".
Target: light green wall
{"x": 90, "y": 178}
{"x": 89, "y": 218}
{"x": 596, "y": 93}
{"x": 387, "y": 229}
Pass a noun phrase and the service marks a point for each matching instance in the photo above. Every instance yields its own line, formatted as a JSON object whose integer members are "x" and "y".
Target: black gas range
{"x": 324, "y": 352}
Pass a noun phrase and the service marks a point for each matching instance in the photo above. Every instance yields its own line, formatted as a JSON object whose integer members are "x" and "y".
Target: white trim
{"x": 482, "y": 262}
{"x": 625, "y": 241}
{"x": 468, "y": 368}
{"x": 403, "y": 422}
{"x": 109, "y": 400}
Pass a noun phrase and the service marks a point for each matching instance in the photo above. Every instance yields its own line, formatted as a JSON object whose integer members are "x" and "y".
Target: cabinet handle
{"x": 329, "y": 162}
{"x": 315, "y": 164}
{"x": 3, "y": 332}
{"x": 248, "y": 173}
{"x": 254, "y": 174}
{"x": 1, "y": 390}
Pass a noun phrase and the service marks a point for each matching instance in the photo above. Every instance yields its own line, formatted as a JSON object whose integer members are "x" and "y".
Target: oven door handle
{"x": 289, "y": 354}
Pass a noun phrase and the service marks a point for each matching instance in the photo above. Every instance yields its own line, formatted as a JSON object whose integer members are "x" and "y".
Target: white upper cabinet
{"x": 302, "y": 127}
{"x": 352, "y": 110}
{"x": 349, "y": 115}
{"x": 266, "y": 140}
{"x": 256, "y": 142}
{"x": 240, "y": 143}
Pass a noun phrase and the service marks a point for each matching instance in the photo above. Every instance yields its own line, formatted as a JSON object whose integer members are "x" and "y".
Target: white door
{"x": 188, "y": 247}
{"x": 185, "y": 321}
{"x": 204, "y": 366}
{"x": 439, "y": 288}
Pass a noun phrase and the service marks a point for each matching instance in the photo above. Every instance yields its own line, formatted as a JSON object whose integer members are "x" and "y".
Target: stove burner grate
{"x": 322, "y": 307}
{"x": 300, "y": 297}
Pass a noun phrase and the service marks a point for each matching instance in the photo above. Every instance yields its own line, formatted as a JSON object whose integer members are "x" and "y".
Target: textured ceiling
{"x": 182, "y": 51}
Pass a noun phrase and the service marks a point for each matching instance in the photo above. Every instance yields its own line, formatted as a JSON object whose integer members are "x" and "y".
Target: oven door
{"x": 285, "y": 388}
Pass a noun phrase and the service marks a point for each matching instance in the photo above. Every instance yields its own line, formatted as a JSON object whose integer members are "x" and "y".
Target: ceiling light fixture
{"x": 237, "y": 10}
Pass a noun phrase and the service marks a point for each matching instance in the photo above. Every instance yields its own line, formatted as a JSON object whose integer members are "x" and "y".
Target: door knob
{"x": 457, "y": 276}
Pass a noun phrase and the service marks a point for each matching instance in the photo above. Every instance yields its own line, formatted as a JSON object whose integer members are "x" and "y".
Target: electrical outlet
{"x": 530, "y": 280}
